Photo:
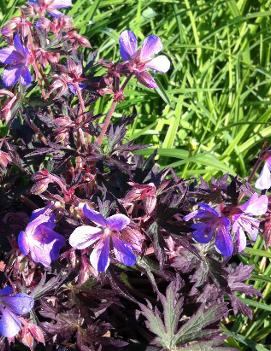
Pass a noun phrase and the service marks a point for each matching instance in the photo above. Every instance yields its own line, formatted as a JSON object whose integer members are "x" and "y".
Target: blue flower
{"x": 106, "y": 233}
{"x": 212, "y": 226}
{"x": 39, "y": 238}
{"x": 141, "y": 60}
{"x": 12, "y": 306}
{"x": 17, "y": 60}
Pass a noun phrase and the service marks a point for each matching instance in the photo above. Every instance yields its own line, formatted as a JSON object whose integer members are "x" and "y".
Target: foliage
{"x": 213, "y": 116}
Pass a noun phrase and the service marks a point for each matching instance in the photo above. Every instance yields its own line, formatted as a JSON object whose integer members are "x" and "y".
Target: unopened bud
{"x": 40, "y": 187}
{"x": 5, "y": 159}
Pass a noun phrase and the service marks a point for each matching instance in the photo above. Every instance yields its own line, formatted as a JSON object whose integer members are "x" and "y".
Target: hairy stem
{"x": 105, "y": 126}
{"x": 109, "y": 115}
{"x": 81, "y": 100}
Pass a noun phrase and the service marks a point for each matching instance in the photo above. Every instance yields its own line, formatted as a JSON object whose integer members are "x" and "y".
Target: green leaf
{"x": 155, "y": 323}
{"x": 4, "y": 129}
{"x": 172, "y": 308}
{"x": 193, "y": 328}
{"x": 205, "y": 346}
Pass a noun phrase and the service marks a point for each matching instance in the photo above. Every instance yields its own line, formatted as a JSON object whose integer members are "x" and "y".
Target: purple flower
{"x": 264, "y": 180}
{"x": 106, "y": 233}
{"x": 52, "y": 6}
{"x": 39, "y": 239}
{"x": 143, "y": 59}
{"x": 244, "y": 222}
{"x": 12, "y": 306}
{"x": 212, "y": 226}
{"x": 17, "y": 60}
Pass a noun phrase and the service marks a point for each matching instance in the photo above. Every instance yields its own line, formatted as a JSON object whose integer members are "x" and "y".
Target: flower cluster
{"x": 90, "y": 229}
{"x": 224, "y": 230}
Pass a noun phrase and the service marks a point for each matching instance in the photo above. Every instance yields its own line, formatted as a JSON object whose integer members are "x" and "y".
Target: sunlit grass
{"x": 215, "y": 101}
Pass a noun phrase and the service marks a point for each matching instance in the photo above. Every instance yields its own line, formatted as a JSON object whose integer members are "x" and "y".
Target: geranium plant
{"x": 101, "y": 249}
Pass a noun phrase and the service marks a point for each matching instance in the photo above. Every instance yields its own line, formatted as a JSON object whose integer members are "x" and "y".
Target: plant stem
{"x": 106, "y": 122}
{"x": 105, "y": 126}
{"x": 257, "y": 164}
{"x": 81, "y": 100}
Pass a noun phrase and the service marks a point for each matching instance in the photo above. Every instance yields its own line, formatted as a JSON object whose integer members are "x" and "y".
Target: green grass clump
{"x": 212, "y": 111}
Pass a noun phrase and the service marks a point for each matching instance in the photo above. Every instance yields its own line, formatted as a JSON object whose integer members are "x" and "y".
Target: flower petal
{"x": 39, "y": 211}
{"x": 203, "y": 232}
{"x": 7, "y": 290}
{"x": 204, "y": 212}
{"x": 150, "y": 47}
{"x": 268, "y": 161}
{"x": 146, "y": 79}
{"x": 45, "y": 245}
{"x": 23, "y": 244}
{"x": 56, "y": 247}
{"x": 42, "y": 215}
{"x": 250, "y": 225}
{"x": 38, "y": 217}
{"x": 99, "y": 257}
{"x": 118, "y": 222}
{"x": 55, "y": 13}
{"x": 206, "y": 208}
{"x": 264, "y": 180}
{"x": 10, "y": 325}
{"x": 9, "y": 56}
{"x": 160, "y": 63}
{"x": 190, "y": 216}
{"x": 19, "y": 304}
{"x": 59, "y": 4}
{"x": 5, "y": 53}
{"x": 19, "y": 46}
{"x": 123, "y": 252}
{"x": 11, "y": 75}
{"x": 84, "y": 236}
{"x": 26, "y": 78}
{"x": 223, "y": 240}
{"x": 256, "y": 205}
{"x": 94, "y": 216}
{"x": 128, "y": 44}
{"x": 241, "y": 240}
{"x": 42, "y": 254}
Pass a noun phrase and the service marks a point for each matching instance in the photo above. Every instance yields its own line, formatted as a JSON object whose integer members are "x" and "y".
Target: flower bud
{"x": 37, "y": 333}
{"x": 42, "y": 179}
{"x": 43, "y": 24}
{"x": 6, "y": 111}
{"x": 78, "y": 40}
{"x": 5, "y": 159}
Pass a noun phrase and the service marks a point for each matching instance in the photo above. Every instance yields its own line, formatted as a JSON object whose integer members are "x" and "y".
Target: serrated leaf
{"x": 172, "y": 306}
{"x": 172, "y": 309}
{"x": 205, "y": 346}
{"x": 155, "y": 323}
{"x": 192, "y": 329}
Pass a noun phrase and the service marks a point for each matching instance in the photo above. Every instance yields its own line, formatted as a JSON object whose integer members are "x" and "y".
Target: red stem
{"x": 81, "y": 100}
{"x": 105, "y": 126}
